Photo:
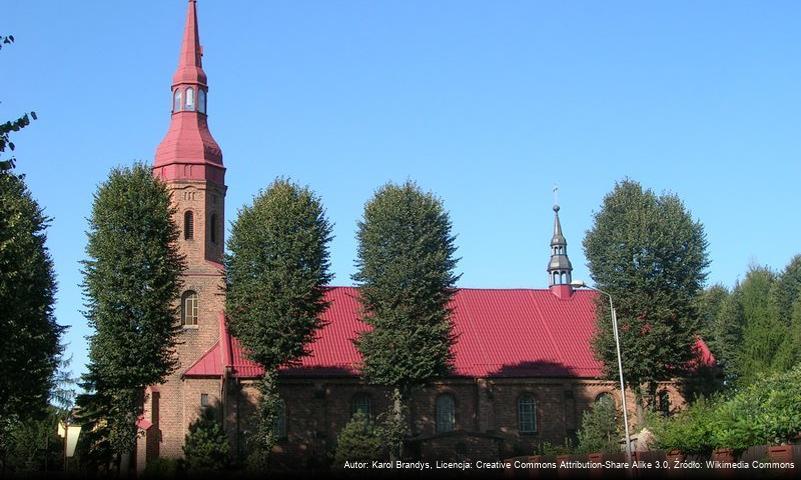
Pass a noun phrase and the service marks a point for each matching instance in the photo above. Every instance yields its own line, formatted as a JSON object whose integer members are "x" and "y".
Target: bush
{"x": 690, "y": 431}
{"x": 599, "y": 431}
{"x": 360, "y": 440}
{"x": 767, "y": 411}
{"x": 207, "y": 447}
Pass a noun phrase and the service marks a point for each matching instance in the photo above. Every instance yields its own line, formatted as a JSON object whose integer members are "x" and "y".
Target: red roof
{"x": 500, "y": 333}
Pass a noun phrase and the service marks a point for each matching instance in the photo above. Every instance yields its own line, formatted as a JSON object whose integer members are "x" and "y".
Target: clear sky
{"x": 488, "y": 104}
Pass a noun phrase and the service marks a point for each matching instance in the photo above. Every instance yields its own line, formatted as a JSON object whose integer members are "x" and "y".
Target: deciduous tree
{"x": 406, "y": 282}
{"x": 276, "y": 276}
{"x": 648, "y": 252}
{"x": 132, "y": 277}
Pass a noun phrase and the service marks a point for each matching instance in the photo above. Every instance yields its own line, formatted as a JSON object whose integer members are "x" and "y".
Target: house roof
{"x": 500, "y": 333}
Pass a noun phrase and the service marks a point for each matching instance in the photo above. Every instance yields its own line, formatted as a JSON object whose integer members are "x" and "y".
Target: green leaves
{"x": 132, "y": 277}
{"x": 206, "y": 448}
{"x": 29, "y": 346}
{"x": 599, "y": 431}
{"x": 650, "y": 255}
{"x": 276, "y": 273}
{"x": 405, "y": 274}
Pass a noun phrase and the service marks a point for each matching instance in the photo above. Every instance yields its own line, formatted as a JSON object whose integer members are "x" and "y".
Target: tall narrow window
{"x": 279, "y": 422}
{"x": 189, "y": 308}
{"x": 189, "y": 225}
{"x": 361, "y": 404}
{"x": 201, "y": 100}
{"x": 527, "y": 414}
{"x": 213, "y": 228}
{"x": 445, "y": 413}
{"x": 190, "y": 98}
{"x": 176, "y": 104}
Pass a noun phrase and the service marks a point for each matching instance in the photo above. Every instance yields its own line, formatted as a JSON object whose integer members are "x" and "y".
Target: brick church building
{"x": 524, "y": 371}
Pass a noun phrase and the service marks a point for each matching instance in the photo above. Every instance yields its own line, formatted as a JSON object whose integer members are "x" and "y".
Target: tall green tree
{"x": 276, "y": 276}
{"x": 29, "y": 345}
{"x": 726, "y": 333}
{"x": 406, "y": 282}
{"x": 786, "y": 304}
{"x": 648, "y": 252}
{"x": 132, "y": 279}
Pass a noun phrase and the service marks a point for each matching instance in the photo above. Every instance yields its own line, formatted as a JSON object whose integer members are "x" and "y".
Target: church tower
{"x": 559, "y": 267}
{"x": 190, "y": 162}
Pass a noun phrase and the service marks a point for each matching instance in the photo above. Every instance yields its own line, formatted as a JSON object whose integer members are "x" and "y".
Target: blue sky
{"x": 488, "y": 104}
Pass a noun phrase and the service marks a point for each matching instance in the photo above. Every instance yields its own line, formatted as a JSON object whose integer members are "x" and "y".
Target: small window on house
{"x": 445, "y": 413}
{"x": 204, "y": 399}
{"x": 176, "y": 104}
{"x": 189, "y": 225}
{"x": 527, "y": 414}
{"x": 201, "y": 100}
{"x": 189, "y": 308}
{"x": 361, "y": 403}
{"x": 664, "y": 403}
{"x": 279, "y": 423}
{"x": 213, "y": 228}
{"x": 190, "y": 99}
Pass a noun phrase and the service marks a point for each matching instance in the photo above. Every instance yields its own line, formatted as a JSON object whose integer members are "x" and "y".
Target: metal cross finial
{"x": 556, "y": 194}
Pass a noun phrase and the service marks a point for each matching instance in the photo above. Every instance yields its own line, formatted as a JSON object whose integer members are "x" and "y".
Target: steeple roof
{"x": 188, "y": 151}
{"x": 190, "y": 65}
{"x": 558, "y": 238}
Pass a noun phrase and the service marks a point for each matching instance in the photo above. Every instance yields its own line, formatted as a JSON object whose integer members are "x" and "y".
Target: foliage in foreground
{"x": 30, "y": 349}
{"x": 360, "y": 440}
{"x": 132, "y": 279}
{"x": 207, "y": 448}
{"x": 599, "y": 431}
{"x": 766, "y": 412}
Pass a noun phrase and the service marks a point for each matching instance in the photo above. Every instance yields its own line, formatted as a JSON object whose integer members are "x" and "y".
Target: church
{"x": 523, "y": 373}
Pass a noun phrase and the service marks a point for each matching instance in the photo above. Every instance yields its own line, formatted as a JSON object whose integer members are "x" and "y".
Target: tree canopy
{"x": 648, "y": 252}
{"x": 406, "y": 281}
{"x": 132, "y": 280}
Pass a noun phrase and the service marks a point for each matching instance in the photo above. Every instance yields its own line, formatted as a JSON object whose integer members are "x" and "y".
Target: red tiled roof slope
{"x": 500, "y": 333}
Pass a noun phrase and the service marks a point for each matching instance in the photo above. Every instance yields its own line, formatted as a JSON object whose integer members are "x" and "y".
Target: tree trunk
{"x": 397, "y": 410}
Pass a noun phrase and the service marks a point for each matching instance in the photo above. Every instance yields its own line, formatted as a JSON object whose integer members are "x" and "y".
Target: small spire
{"x": 559, "y": 267}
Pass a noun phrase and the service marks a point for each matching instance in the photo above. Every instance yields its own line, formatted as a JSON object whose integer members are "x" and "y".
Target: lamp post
{"x": 580, "y": 284}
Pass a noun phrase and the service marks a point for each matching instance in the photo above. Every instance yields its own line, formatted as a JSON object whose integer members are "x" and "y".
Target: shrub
{"x": 599, "y": 431}
{"x": 360, "y": 440}
{"x": 207, "y": 447}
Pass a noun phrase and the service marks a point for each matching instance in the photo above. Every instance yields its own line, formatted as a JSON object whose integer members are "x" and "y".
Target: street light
{"x": 580, "y": 284}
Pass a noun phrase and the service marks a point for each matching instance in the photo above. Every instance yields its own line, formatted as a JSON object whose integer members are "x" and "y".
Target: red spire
{"x": 190, "y": 66}
{"x": 188, "y": 151}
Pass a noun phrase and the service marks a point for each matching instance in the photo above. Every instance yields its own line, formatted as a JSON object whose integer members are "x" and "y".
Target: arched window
{"x": 189, "y": 225}
{"x": 361, "y": 404}
{"x": 445, "y": 413}
{"x": 176, "y": 103}
{"x": 604, "y": 397}
{"x": 279, "y": 423}
{"x": 201, "y": 100}
{"x": 664, "y": 403}
{"x": 556, "y": 278}
{"x": 527, "y": 414}
{"x": 189, "y": 308}
{"x": 190, "y": 98}
{"x": 213, "y": 228}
